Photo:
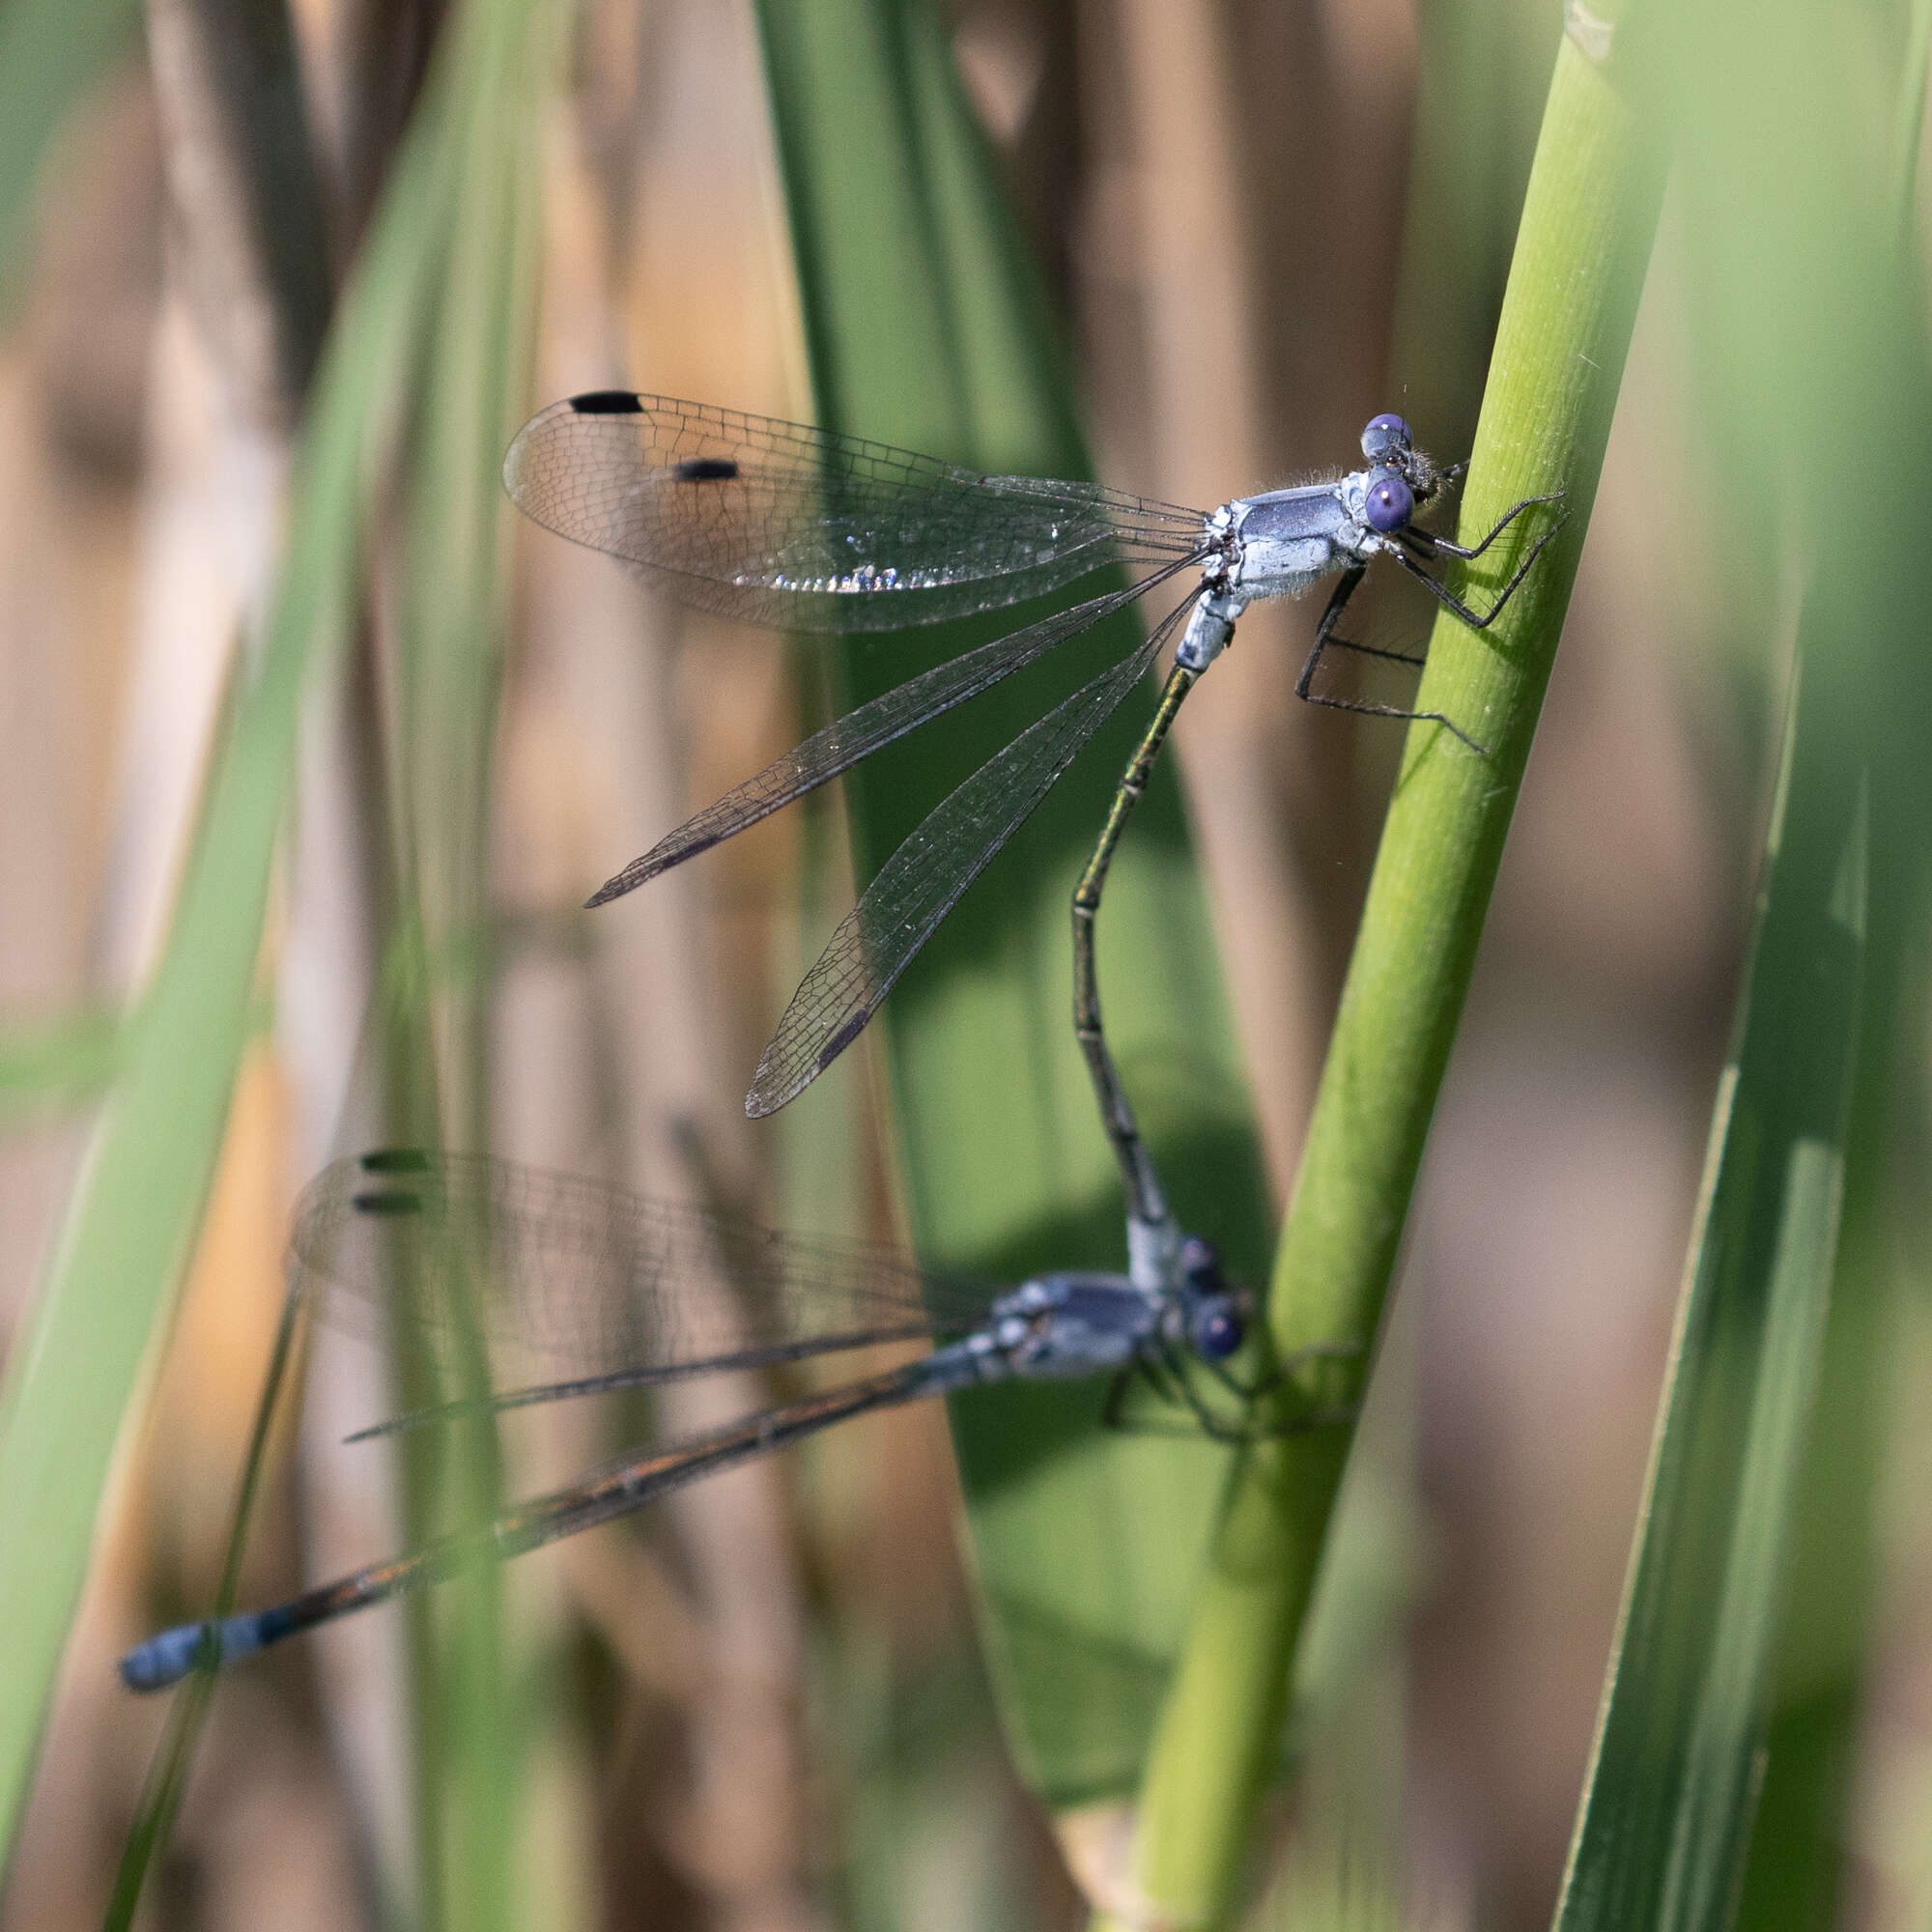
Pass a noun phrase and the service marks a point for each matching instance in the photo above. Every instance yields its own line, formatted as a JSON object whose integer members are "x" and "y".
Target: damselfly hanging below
{"x": 609, "y": 1287}
{"x": 799, "y": 529}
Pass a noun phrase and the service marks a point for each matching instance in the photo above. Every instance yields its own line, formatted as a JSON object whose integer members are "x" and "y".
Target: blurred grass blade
{"x": 50, "y": 51}
{"x": 1668, "y": 1813}
{"x": 1786, "y": 207}
{"x": 58, "y": 1064}
{"x": 471, "y": 1733}
{"x": 130, "y": 1226}
{"x": 927, "y": 326}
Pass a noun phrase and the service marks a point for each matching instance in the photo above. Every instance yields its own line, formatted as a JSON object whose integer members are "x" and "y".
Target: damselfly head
{"x": 1217, "y": 1322}
{"x": 1390, "y": 447}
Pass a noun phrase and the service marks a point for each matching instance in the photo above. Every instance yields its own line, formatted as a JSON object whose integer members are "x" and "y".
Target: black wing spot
{"x": 704, "y": 470}
{"x": 607, "y": 403}
{"x": 386, "y": 1204}
{"x": 843, "y": 1038}
{"x": 395, "y": 1160}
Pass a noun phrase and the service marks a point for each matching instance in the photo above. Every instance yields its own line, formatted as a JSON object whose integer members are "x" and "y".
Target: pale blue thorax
{"x": 1277, "y": 544}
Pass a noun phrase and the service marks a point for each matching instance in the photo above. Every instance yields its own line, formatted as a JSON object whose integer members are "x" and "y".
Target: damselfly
{"x": 612, "y": 1287}
{"x": 799, "y": 529}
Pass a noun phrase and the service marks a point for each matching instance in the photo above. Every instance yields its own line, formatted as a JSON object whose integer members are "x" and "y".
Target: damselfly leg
{"x": 1427, "y": 544}
{"x": 1182, "y": 1409}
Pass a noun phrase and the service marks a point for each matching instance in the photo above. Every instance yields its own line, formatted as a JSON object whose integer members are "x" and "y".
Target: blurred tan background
{"x": 1261, "y": 228}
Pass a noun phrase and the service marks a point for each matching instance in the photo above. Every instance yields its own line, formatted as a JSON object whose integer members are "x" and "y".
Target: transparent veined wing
{"x": 922, "y": 882}
{"x": 800, "y": 528}
{"x": 870, "y": 728}
{"x": 568, "y": 1280}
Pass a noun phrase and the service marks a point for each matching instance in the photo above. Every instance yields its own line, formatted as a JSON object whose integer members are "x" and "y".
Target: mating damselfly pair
{"x": 799, "y": 529}
{"x": 610, "y": 1290}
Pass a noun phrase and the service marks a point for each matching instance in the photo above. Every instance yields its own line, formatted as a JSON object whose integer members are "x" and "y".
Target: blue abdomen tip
{"x": 163, "y": 1660}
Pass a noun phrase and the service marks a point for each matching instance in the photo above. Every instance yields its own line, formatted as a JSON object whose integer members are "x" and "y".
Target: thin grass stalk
{"x": 173, "y": 1756}
{"x": 471, "y": 1740}
{"x": 1587, "y": 231}
{"x": 450, "y": 1480}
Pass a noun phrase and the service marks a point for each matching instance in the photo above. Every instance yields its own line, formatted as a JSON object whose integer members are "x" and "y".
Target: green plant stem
{"x": 1587, "y": 225}
{"x": 472, "y": 1737}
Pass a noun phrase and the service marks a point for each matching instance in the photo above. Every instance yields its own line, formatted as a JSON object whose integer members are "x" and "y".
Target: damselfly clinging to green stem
{"x": 802, "y": 530}
{"x": 606, "y": 1290}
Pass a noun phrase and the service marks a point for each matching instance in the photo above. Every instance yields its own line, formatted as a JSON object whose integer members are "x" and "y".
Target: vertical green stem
{"x": 471, "y": 1735}
{"x": 1565, "y": 328}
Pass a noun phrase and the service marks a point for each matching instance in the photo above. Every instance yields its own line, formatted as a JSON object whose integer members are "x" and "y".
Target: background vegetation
{"x": 310, "y": 756}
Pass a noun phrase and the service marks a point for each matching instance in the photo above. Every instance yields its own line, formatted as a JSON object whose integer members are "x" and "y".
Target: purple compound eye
{"x": 1219, "y": 1329}
{"x": 1388, "y": 503}
{"x": 1384, "y": 437}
